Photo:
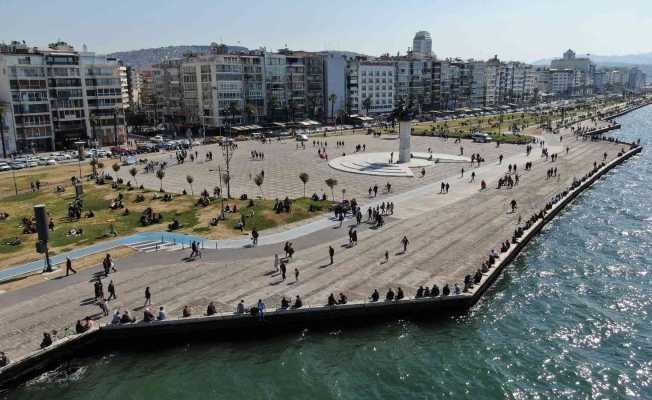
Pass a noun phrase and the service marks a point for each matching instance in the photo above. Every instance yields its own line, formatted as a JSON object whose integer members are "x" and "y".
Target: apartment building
{"x": 335, "y": 82}
{"x": 371, "y": 87}
{"x": 168, "y": 91}
{"x": 58, "y": 96}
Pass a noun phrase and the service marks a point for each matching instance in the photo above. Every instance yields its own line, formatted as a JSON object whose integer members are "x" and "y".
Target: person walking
{"x": 69, "y": 267}
{"x": 111, "y": 290}
{"x": 254, "y": 236}
{"x": 386, "y": 256}
{"x": 283, "y": 269}
{"x": 261, "y": 309}
{"x": 405, "y": 243}
{"x": 331, "y": 253}
{"x": 148, "y": 297}
{"x": 296, "y": 274}
{"x": 99, "y": 289}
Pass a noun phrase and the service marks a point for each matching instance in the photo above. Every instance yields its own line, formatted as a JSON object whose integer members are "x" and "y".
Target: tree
{"x": 258, "y": 180}
{"x": 190, "y": 180}
{"x": 304, "y": 179}
{"x": 250, "y": 112}
{"x": 332, "y": 99}
{"x": 331, "y": 183}
{"x": 116, "y": 168}
{"x": 343, "y": 193}
{"x": 133, "y": 172}
{"x": 366, "y": 104}
{"x": 226, "y": 178}
{"x": 160, "y": 174}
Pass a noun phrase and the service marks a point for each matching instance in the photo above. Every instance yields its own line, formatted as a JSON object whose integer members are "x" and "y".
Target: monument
{"x": 403, "y": 115}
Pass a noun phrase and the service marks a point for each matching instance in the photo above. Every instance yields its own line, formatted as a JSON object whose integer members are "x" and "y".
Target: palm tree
{"x": 332, "y": 99}
{"x": 258, "y": 180}
{"x": 133, "y": 171}
{"x": 304, "y": 178}
{"x": 116, "y": 168}
{"x": 343, "y": 193}
{"x": 190, "y": 180}
{"x": 226, "y": 178}
{"x": 331, "y": 183}
{"x": 160, "y": 174}
{"x": 232, "y": 110}
{"x": 366, "y": 104}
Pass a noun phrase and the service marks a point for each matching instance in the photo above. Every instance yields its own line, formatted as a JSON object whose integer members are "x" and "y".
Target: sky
{"x": 526, "y": 30}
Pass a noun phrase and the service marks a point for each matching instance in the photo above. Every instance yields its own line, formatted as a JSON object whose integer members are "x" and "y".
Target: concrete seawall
{"x": 109, "y": 338}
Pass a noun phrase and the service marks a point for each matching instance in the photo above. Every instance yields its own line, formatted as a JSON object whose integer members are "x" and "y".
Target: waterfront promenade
{"x": 449, "y": 236}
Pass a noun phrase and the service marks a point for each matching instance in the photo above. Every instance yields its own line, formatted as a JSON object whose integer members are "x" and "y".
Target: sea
{"x": 571, "y": 318}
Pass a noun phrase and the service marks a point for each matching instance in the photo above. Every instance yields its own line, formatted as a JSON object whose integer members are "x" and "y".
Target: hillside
{"x": 138, "y": 58}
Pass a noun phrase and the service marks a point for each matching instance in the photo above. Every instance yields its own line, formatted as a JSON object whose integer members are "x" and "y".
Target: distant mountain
{"x": 139, "y": 58}
{"x": 615, "y": 61}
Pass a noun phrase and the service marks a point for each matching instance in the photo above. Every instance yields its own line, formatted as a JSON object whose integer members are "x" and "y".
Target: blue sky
{"x": 518, "y": 30}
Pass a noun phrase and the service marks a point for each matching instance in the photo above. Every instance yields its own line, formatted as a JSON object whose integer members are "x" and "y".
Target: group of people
{"x": 257, "y": 155}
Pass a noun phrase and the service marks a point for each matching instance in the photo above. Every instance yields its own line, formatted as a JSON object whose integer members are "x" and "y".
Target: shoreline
{"x": 230, "y": 325}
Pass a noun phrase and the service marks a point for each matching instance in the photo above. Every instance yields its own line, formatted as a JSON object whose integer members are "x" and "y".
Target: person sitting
{"x": 4, "y": 360}
{"x": 331, "y": 300}
{"x": 477, "y": 277}
{"x": 47, "y": 340}
{"x": 419, "y": 292}
{"x": 297, "y": 302}
{"x": 285, "y": 303}
{"x": 399, "y": 293}
{"x": 116, "y": 318}
{"x": 126, "y": 318}
{"x": 187, "y": 311}
{"x": 162, "y": 316}
{"x": 240, "y": 309}
{"x": 60, "y": 189}
{"x": 174, "y": 225}
{"x": 82, "y": 325}
{"x": 446, "y": 290}
{"x": 426, "y": 292}
{"x": 375, "y": 295}
{"x": 390, "y": 295}
{"x": 342, "y": 299}
{"x": 3, "y": 216}
{"x": 211, "y": 309}
{"x": 457, "y": 289}
{"x": 125, "y": 212}
{"x": 148, "y": 315}
{"x": 435, "y": 291}
{"x": 89, "y": 214}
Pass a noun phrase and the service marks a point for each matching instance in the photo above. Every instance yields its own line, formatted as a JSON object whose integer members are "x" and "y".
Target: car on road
{"x": 480, "y": 137}
{"x": 4, "y": 166}
{"x": 17, "y": 165}
{"x": 302, "y": 137}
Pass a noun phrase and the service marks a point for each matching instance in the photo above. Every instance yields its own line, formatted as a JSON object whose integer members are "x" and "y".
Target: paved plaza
{"x": 449, "y": 235}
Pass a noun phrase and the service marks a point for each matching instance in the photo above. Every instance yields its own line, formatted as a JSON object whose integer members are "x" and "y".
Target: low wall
{"x": 627, "y": 111}
{"x": 110, "y": 337}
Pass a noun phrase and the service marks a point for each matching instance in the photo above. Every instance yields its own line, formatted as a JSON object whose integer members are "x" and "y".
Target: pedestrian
{"x": 111, "y": 290}
{"x": 386, "y": 256}
{"x": 331, "y": 253}
{"x": 69, "y": 267}
{"x": 148, "y": 296}
{"x": 296, "y": 274}
{"x": 254, "y": 236}
{"x": 472, "y": 176}
{"x": 261, "y": 309}
{"x": 283, "y": 270}
{"x": 99, "y": 289}
{"x": 104, "y": 306}
{"x": 405, "y": 243}
{"x": 276, "y": 262}
{"x": 341, "y": 218}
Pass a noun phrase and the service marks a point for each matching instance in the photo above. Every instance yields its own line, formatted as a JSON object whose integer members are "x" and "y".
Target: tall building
{"x": 335, "y": 82}
{"x": 371, "y": 87}
{"x": 59, "y": 96}
{"x": 583, "y": 76}
{"x": 422, "y": 44}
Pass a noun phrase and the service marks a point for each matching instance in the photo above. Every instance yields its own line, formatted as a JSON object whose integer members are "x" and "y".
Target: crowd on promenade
{"x": 259, "y": 309}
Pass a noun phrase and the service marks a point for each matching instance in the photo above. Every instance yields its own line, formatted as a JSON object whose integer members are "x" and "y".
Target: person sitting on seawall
{"x": 162, "y": 316}
{"x": 4, "y": 360}
{"x": 211, "y": 309}
{"x": 285, "y": 303}
{"x": 390, "y": 295}
{"x": 148, "y": 315}
{"x": 116, "y": 317}
{"x": 331, "y": 300}
{"x": 434, "y": 292}
{"x": 419, "y": 292}
{"x": 456, "y": 289}
{"x": 446, "y": 290}
{"x": 375, "y": 296}
{"x": 240, "y": 309}
{"x": 342, "y": 299}
{"x": 187, "y": 311}
{"x": 126, "y": 318}
{"x": 84, "y": 325}
{"x": 297, "y": 303}
{"x": 399, "y": 294}
{"x": 47, "y": 340}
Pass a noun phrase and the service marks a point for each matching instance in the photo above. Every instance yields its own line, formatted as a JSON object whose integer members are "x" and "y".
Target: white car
{"x": 18, "y": 165}
{"x": 481, "y": 137}
{"x": 51, "y": 162}
{"x": 302, "y": 137}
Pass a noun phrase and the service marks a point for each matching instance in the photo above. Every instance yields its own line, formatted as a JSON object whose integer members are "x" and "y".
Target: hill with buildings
{"x": 138, "y": 58}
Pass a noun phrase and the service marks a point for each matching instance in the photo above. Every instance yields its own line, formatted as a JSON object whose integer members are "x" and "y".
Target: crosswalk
{"x": 150, "y": 246}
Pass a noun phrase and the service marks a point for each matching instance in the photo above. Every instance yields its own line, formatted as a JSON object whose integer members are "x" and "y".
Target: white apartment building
{"x": 371, "y": 86}
{"x": 58, "y": 96}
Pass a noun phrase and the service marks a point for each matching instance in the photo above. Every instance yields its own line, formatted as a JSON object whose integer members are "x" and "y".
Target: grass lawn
{"x": 194, "y": 219}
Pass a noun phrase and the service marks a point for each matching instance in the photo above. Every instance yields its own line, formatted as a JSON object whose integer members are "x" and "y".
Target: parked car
{"x": 479, "y": 137}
